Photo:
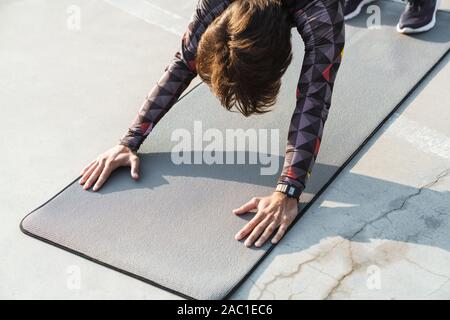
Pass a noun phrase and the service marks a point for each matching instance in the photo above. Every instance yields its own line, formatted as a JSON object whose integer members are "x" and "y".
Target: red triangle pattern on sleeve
{"x": 317, "y": 147}
{"x": 144, "y": 127}
{"x": 326, "y": 73}
{"x": 291, "y": 174}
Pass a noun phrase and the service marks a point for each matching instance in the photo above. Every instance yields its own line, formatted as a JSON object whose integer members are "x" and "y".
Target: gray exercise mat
{"x": 174, "y": 227}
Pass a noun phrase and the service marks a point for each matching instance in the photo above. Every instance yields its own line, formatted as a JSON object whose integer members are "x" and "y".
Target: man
{"x": 241, "y": 49}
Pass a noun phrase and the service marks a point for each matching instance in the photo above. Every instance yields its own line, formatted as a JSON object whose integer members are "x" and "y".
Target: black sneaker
{"x": 419, "y": 16}
{"x": 353, "y": 7}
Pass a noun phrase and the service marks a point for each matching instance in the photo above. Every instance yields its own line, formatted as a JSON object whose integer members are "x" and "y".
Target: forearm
{"x": 322, "y": 29}
{"x": 158, "y": 102}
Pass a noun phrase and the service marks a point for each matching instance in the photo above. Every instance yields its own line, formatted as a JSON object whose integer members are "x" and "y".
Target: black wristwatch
{"x": 289, "y": 190}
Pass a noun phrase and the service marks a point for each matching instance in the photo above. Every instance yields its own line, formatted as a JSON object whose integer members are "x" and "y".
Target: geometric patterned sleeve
{"x": 176, "y": 78}
{"x": 321, "y": 26}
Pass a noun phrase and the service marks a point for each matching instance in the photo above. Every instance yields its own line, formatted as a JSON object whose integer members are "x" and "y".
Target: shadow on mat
{"x": 156, "y": 166}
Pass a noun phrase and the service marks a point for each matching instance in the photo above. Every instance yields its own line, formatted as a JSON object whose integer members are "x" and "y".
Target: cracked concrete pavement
{"x": 382, "y": 228}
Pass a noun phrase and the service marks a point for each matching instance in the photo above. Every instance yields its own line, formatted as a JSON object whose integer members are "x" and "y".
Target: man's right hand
{"x": 99, "y": 170}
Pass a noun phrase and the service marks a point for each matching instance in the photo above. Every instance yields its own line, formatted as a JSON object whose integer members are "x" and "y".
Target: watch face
{"x": 289, "y": 190}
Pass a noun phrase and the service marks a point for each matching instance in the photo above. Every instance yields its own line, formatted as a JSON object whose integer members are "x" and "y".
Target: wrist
{"x": 284, "y": 198}
{"x": 125, "y": 148}
{"x": 128, "y": 145}
{"x": 289, "y": 191}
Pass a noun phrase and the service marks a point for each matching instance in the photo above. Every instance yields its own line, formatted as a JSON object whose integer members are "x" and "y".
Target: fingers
{"x": 252, "y": 204}
{"x": 88, "y": 172}
{"x": 135, "y": 163}
{"x": 95, "y": 174}
{"x": 280, "y": 233}
{"x": 267, "y": 233}
{"x": 98, "y": 171}
{"x": 249, "y": 226}
{"x": 257, "y": 231}
{"x": 104, "y": 175}
{"x": 85, "y": 169}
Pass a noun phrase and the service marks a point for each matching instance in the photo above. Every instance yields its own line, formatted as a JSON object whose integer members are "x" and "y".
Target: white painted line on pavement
{"x": 336, "y": 204}
{"x": 153, "y": 14}
{"x": 425, "y": 139}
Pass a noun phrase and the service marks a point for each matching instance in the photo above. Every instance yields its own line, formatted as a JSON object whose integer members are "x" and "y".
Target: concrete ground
{"x": 380, "y": 231}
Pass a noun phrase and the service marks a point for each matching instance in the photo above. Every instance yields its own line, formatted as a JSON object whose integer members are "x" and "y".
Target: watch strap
{"x": 289, "y": 190}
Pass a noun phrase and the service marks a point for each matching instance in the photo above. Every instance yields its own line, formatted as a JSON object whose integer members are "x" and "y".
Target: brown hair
{"x": 244, "y": 52}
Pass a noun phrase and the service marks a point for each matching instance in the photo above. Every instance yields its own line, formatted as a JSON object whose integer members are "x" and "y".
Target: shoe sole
{"x": 424, "y": 28}
{"x": 357, "y": 11}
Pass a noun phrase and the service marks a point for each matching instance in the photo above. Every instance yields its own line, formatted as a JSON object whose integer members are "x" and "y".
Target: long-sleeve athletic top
{"x": 321, "y": 26}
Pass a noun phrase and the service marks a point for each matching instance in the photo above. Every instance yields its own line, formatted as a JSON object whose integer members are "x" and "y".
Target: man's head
{"x": 244, "y": 52}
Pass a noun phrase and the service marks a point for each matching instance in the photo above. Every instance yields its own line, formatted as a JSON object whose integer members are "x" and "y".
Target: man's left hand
{"x": 272, "y": 212}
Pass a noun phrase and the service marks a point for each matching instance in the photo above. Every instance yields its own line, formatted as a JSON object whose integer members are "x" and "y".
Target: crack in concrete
{"x": 324, "y": 273}
{"x": 425, "y": 269}
{"x": 261, "y": 289}
{"x": 438, "y": 288}
{"x": 297, "y": 270}
{"x": 291, "y": 296}
{"x": 402, "y": 205}
{"x": 353, "y": 266}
